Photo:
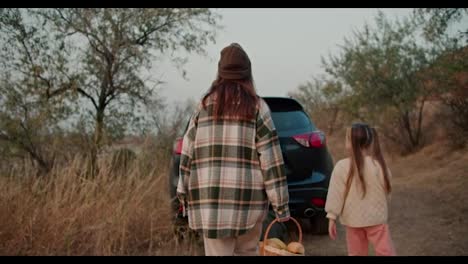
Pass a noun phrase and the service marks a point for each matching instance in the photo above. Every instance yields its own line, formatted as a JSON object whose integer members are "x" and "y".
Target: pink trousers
{"x": 358, "y": 239}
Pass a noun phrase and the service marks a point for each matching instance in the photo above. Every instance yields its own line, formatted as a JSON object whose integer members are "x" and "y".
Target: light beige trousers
{"x": 243, "y": 245}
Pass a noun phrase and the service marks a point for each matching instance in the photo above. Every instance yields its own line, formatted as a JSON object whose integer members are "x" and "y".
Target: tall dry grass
{"x": 68, "y": 213}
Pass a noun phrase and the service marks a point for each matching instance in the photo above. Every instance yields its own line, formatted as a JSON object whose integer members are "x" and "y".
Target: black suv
{"x": 308, "y": 162}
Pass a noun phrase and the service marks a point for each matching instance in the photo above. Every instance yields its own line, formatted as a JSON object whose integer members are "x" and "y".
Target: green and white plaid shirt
{"x": 230, "y": 171}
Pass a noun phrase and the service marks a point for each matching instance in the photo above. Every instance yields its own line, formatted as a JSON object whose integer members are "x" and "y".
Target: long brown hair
{"x": 361, "y": 137}
{"x": 377, "y": 154}
{"x": 233, "y": 99}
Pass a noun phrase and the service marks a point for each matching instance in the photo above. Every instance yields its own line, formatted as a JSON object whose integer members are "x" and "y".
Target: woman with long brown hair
{"x": 231, "y": 164}
{"x": 359, "y": 194}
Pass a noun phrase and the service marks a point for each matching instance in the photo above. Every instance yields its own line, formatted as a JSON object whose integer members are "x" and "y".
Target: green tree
{"x": 32, "y": 62}
{"x": 436, "y": 21}
{"x": 118, "y": 45}
{"x": 382, "y": 66}
{"x": 323, "y": 101}
{"x": 448, "y": 73}
{"x": 448, "y": 77}
{"x": 99, "y": 60}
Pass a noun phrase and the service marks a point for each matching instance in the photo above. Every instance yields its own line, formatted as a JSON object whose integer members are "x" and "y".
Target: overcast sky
{"x": 284, "y": 46}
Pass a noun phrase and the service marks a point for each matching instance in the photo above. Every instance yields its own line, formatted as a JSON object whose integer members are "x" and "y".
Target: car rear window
{"x": 292, "y": 122}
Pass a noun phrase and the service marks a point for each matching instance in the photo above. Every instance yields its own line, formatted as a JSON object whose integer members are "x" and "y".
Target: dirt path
{"x": 429, "y": 209}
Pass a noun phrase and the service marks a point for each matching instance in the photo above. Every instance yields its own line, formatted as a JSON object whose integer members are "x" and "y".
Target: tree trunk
{"x": 44, "y": 166}
{"x": 98, "y": 131}
{"x": 413, "y": 133}
{"x": 406, "y": 125}
{"x": 99, "y": 128}
{"x": 420, "y": 116}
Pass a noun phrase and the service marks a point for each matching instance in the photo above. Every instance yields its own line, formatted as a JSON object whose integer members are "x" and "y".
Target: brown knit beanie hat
{"x": 234, "y": 63}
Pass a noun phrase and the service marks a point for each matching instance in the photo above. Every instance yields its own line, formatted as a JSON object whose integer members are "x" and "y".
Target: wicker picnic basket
{"x": 266, "y": 250}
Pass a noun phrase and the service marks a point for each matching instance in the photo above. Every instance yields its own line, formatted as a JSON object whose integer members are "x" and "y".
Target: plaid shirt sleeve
{"x": 186, "y": 159}
{"x": 271, "y": 162}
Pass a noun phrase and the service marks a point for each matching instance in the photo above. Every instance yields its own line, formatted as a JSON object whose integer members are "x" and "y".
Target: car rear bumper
{"x": 300, "y": 202}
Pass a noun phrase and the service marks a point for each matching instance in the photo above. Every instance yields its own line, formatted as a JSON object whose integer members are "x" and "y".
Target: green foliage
{"x": 322, "y": 100}
{"x": 94, "y": 64}
{"x": 381, "y": 67}
{"x": 436, "y": 21}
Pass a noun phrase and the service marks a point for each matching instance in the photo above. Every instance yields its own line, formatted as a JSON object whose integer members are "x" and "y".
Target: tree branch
{"x": 144, "y": 38}
{"x": 81, "y": 91}
{"x": 86, "y": 33}
{"x": 110, "y": 97}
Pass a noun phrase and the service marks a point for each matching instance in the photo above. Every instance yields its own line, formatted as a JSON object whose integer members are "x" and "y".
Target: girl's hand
{"x": 332, "y": 229}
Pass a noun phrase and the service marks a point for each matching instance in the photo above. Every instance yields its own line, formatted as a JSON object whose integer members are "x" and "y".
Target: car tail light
{"x": 178, "y": 146}
{"x": 319, "y": 202}
{"x": 311, "y": 140}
